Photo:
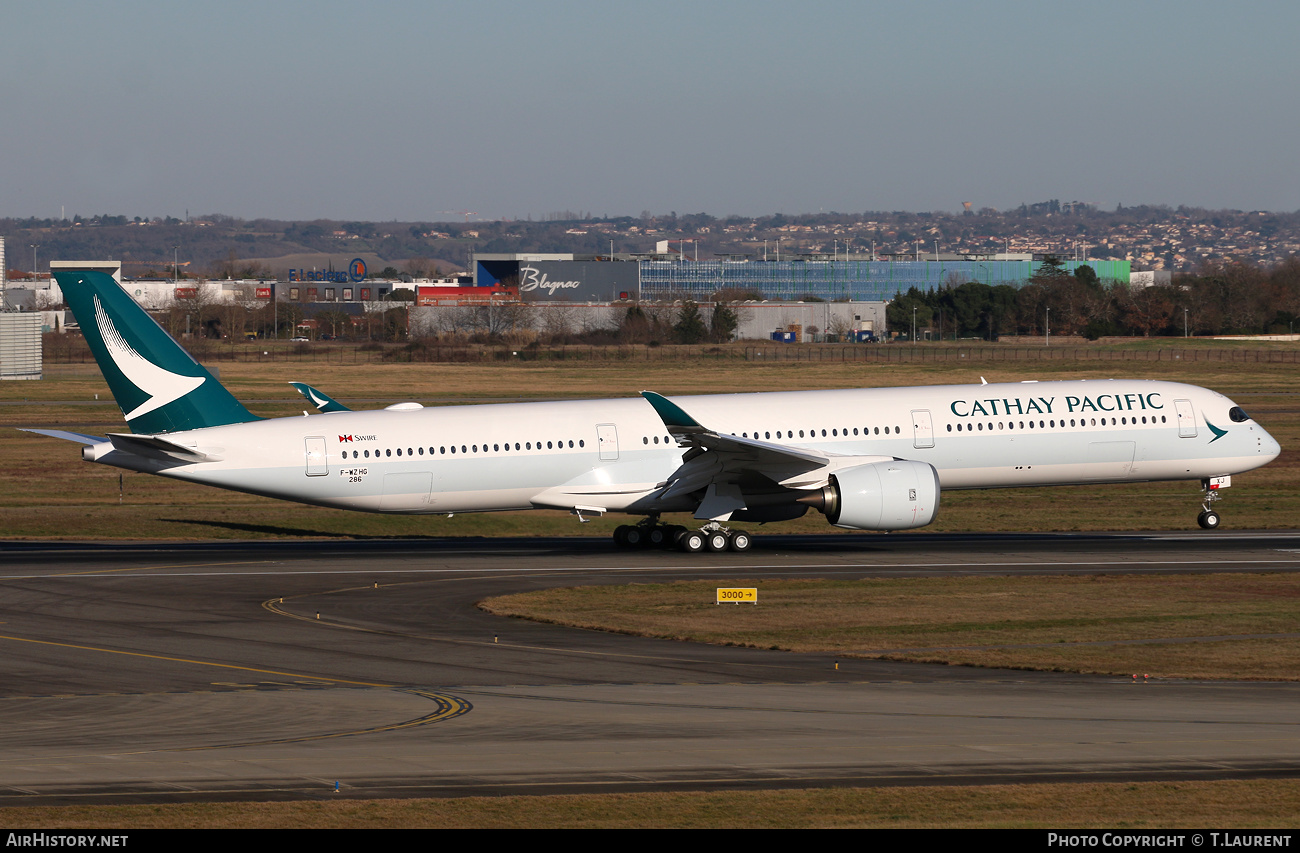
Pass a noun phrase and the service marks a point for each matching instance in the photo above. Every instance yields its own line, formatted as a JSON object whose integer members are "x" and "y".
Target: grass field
{"x": 52, "y": 494}
{"x": 1251, "y": 804}
{"x": 1112, "y": 624}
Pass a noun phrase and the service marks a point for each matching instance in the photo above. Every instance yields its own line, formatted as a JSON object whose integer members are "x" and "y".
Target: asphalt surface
{"x": 152, "y": 672}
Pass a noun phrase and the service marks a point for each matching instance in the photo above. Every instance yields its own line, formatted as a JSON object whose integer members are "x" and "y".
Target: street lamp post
{"x": 4, "y": 302}
{"x": 1047, "y": 329}
{"x": 1184, "y": 322}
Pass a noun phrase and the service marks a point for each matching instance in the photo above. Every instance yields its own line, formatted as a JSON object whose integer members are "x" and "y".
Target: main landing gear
{"x": 711, "y": 537}
{"x": 1209, "y": 519}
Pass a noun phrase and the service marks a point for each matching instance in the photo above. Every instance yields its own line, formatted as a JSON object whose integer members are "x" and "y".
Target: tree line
{"x": 649, "y": 323}
{"x": 1218, "y": 299}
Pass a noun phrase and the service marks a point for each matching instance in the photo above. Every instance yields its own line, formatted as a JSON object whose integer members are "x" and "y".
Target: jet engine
{"x": 895, "y": 495}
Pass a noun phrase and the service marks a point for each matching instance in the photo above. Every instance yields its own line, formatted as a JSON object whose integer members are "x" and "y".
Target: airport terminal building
{"x": 855, "y": 279}
{"x": 664, "y": 277}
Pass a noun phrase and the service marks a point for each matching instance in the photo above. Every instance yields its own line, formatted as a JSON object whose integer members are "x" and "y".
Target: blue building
{"x": 857, "y": 280}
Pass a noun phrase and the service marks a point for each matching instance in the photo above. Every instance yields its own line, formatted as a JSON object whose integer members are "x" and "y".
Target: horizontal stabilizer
{"x": 157, "y": 447}
{"x": 79, "y": 438}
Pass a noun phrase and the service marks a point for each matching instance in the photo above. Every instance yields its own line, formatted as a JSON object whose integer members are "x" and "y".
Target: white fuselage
{"x": 614, "y": 455}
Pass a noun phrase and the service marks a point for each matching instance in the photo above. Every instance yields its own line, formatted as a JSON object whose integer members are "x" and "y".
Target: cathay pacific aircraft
{"x": 868, "y": 459}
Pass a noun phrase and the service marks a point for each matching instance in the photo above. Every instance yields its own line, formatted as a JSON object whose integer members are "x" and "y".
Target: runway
{"x": 160, "y": 672}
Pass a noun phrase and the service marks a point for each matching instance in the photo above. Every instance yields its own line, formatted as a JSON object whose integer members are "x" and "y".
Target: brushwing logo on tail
{"x": 161, "y": 385}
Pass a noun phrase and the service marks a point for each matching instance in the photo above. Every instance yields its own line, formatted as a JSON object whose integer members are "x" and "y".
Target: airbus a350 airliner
{"x": 869, "y": 459}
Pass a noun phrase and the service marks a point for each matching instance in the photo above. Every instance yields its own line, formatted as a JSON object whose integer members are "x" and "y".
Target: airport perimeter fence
{"x": 75, "y": 351}
{"x": 905, "y": 353}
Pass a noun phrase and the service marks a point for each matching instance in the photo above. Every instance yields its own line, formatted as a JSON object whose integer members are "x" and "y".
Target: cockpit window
{"x": 1237, "y": 414}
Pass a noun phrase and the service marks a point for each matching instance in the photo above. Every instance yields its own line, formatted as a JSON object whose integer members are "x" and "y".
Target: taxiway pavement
{"x": 157, "y": 671}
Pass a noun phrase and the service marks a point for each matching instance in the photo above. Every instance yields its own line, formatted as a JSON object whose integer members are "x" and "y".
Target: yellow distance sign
{"x": 735, "y": 596}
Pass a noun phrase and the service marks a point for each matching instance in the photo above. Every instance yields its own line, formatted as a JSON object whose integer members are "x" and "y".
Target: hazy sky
{"x": 408, "y": 110}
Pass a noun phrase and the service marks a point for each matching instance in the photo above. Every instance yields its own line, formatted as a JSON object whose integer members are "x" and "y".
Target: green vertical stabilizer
{"x": 156, "y": 383}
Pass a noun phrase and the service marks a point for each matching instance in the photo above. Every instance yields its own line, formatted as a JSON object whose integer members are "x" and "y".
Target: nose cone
{"x": 1268, "y": 446}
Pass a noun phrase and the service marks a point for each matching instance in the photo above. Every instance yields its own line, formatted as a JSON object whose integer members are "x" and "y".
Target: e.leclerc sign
{"x": 356, "y": 273}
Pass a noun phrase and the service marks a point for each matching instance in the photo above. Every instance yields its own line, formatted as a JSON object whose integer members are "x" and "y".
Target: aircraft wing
{"x": 323, "y": 402}
{"x": 726, "y": 466}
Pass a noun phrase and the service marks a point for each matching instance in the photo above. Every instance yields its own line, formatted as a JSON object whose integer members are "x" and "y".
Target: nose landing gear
{"x": 1209, "y": 519}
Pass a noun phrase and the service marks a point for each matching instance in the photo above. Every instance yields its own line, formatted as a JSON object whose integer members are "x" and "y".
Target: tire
{"x": 692, "y": 542}
{"x": 717, "y": 541}
{"x": 1208, "y": 520}
{"x": 635, "y": 537}
{"x": 741, "y": 541}
{"x": 658, "y": 537}
{"x": 620, "y": 535}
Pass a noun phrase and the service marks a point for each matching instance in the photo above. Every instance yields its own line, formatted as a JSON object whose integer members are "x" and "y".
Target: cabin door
{"x": 317, "y": 464}
{"x": 1186, "y": 418}
{"x": 922, "y": 429}
{"x": 607, "y": 440}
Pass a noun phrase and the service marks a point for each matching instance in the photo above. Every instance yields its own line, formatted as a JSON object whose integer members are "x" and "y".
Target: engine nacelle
{"x": 896, "y": 495}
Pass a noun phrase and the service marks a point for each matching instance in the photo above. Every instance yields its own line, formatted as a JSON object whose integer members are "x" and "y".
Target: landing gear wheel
{"x": 741, "y": 541}
{"x": 620, "y": 535}
{"x": 716, "y": 541}
{"x": 658, "y": 537}
{"x": 691, "y": 541}
{"x": 1209, "y": 520}
{"x": 635, "y": 537}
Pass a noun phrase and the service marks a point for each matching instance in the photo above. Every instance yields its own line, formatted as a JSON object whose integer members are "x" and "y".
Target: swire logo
{"x": 345, "y": 438}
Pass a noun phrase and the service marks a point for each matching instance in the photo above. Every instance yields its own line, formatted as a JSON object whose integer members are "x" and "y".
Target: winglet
{"x": 323, "y": 402}
{"x": 672, "y": 415}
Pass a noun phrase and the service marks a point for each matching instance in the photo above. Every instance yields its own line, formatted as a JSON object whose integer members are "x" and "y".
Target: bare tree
{"x": 500, "y": 320}
{"x": 556, "y": 321}
{"x": 195, "y": 305}
{"x": 336, "y": 319}
{"x": 420, "y": 267}
{"x": 597, "y": 321}
{"x": 839, "y": 325}
{"x": 1145, "y": 309}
